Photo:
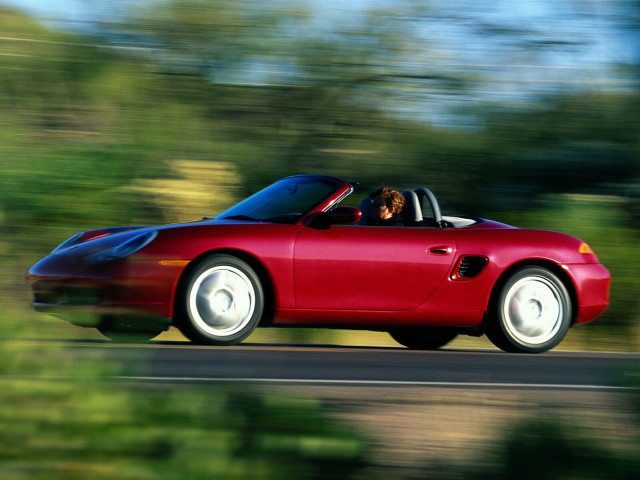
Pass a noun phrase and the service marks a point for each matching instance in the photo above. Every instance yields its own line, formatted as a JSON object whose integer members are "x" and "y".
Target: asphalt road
{"x": 318, "y": 365}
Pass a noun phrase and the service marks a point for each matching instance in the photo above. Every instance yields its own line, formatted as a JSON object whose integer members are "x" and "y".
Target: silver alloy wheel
{"x": 533, "y": 310}
{"x": 222, "y": 301}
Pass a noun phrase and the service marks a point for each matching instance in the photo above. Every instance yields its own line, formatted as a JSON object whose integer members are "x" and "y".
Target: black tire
{"x": 220, "y": 302}
{"x": 126, "y": 330}
{"x": 531, "y": 313}
{"x": 422, "y": 338}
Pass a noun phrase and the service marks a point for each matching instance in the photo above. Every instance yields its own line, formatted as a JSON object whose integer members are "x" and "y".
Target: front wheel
{"x": 422, "y": 338}
{"x": 221, "y": 301}
{"x": 532, "y": 312}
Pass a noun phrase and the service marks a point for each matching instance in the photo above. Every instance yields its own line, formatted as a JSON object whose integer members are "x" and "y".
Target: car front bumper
{"x": 84, "y": 293}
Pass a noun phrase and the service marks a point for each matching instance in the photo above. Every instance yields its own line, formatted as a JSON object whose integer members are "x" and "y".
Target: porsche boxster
{"x": 293, "y": 255}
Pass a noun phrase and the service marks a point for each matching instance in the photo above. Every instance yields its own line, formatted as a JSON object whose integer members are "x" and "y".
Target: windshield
{"x": 283, "y": 202}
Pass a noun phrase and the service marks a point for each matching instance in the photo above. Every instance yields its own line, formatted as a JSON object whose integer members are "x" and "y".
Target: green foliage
{"x": 65, "y": 414}
{"x": 83, "y": 126}
{"x": 73, "y": 429}
{"x": 91, "y": 135}
{"x": 551, "y": 449}
{"x": 584, "y": 143}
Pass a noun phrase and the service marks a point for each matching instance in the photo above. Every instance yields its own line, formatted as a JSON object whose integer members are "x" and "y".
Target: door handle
{"x": 439, "y": 250}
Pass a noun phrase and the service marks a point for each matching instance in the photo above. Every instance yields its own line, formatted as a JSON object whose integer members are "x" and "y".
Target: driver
{"x": 386, "y": 207}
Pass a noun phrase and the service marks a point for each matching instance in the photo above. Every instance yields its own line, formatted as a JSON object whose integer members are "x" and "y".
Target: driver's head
{"x": 387, "y": 202}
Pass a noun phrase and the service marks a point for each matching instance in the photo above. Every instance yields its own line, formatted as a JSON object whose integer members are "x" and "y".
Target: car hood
{"x": 105, "y": 237}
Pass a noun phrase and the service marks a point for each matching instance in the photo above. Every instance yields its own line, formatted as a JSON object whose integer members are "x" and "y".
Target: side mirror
{"x": 337, "y": 216}
{"x": 345, "y": 215}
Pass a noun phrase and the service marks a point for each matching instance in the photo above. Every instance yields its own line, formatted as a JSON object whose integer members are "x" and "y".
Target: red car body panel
{"x": 341, "y": 276}
{"x": 592, "y": 290}
{"x": 366, "y": 270}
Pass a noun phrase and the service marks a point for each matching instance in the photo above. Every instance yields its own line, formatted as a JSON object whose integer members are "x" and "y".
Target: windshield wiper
{"x": 242, "y": 217}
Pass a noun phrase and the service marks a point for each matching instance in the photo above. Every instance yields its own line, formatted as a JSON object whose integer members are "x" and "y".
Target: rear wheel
{"x": 221, "y": 301}
{"x": 422, "y": 338}
{"x": 532, "y": 312}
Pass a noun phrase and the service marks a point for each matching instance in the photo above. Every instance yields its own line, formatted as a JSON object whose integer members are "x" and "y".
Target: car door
{"x": 369, "y": 268}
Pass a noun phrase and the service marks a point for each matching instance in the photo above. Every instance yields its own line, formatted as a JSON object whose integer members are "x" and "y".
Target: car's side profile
{"x": 291, "y": 255}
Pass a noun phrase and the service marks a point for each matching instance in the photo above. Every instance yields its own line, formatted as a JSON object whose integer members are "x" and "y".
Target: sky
{"x": 557, "y": 45}
{"x": 595, "y": 22}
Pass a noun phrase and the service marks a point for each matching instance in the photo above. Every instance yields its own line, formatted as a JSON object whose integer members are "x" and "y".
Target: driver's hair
{"x": 392, "y": 198}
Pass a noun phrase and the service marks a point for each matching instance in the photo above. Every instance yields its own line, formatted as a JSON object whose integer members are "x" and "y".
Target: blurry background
{"x": 141, "y": 112}
{"x": 137, "y": 112}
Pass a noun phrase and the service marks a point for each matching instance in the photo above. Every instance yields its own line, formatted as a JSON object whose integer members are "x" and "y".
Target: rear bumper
{"x": 592, "y": 283}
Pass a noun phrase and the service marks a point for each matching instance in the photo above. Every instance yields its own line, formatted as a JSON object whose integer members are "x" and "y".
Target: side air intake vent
{"x": 470, "y": 266}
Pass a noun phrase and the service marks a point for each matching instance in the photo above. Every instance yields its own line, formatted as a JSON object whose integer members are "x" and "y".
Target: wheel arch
{"x": 551, "y": 266}
{"x": 252, "y": 261}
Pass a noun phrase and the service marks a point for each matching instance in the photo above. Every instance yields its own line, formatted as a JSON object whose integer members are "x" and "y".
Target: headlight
{"x": 124, "y": 249}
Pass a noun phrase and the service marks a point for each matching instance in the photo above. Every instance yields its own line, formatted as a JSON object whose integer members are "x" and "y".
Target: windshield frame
{"x": 270, "y": 205}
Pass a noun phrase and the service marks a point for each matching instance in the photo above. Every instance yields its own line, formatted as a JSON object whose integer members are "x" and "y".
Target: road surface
{"x": 309, "y": 364}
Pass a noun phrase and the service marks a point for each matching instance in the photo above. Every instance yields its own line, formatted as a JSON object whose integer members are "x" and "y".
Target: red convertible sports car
{"x": 290, "y": 255}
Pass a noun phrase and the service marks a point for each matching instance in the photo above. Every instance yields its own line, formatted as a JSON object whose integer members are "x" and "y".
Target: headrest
{"x": 411, "y": 212}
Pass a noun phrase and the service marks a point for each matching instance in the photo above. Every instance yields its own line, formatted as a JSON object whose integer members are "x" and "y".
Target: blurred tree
{"x": 211, "y": 38}
{"x": 582, "y": 144}
{"x": 309, "y": 95}
{"x": 99, "y": 125}
{"x": 322, "y": 96}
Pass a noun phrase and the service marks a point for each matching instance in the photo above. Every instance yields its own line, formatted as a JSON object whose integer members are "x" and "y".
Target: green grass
{"x": 65, "y": 419}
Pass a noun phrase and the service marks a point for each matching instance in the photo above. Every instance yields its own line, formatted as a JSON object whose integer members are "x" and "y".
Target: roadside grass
{"x": 65, "y": 417}
{"x": 77, "y": 429}
{"x": 553, "y": 448}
